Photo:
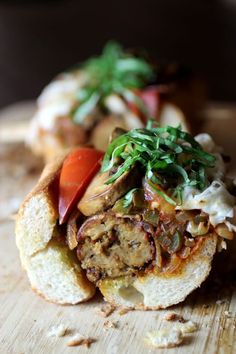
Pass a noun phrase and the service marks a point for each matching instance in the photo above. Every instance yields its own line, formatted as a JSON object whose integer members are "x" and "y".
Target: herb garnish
{"x": 169, "y": 157}
{"x": 128, "y": 198}
{"x": 113, "y": 72}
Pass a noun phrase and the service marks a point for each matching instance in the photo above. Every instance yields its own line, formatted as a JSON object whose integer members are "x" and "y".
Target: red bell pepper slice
{"x": 78, "y": 169}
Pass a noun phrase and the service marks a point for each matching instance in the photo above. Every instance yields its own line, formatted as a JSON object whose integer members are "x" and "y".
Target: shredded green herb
{"x": 114, "y": 71}
{"x": 169, "y": 157}
{"x": 128, "y": 198}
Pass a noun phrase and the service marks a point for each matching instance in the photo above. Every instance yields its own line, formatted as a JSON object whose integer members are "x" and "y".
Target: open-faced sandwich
{"x": 116, "y": 89}
{"x": 142, "y": 223}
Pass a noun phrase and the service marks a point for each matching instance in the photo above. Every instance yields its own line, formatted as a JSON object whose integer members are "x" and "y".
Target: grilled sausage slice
{"x": 111, "y": 246}
{"x": 99, "y": 196}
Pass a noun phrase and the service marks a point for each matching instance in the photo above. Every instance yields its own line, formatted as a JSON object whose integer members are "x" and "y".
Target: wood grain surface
{"x": 26, "y": 319}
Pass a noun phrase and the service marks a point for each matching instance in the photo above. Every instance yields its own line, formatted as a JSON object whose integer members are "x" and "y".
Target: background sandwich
{"x": 116, "y": 89}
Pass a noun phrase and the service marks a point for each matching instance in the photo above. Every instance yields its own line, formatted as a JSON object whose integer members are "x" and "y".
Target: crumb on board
{"x": 205, "y": 306}
{"x": 105, "y": 310}
{"x": 164, "y": 338}
{"x": 221, "y": 301}
{"x": 110, "y": 324}
{"x": 222, "y": 245}
{"x": 78, "y": 339}
{"x": 124, "y": 310}
{"x": 172, "y": 316}
{"x": 228, "y": 314}
{"x": 186, "y": 327}
{"x": 57, "y": 331}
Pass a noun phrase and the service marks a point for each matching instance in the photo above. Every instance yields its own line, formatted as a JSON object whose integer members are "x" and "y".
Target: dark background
{"x": 39, "y": 39}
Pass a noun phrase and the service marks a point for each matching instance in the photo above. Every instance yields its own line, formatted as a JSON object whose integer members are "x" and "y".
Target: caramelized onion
{"x": 186, "y": 215}
{"x": 173, "y": 264}
{"x": 223, "y": 231}
{"x": 185, "y": 252}
{"x": 199, "y": 229}
{"x": 151, "y": 217}
{"x": 72, "y": 229}
{"x": 189, "y": 242}
{"x": 158, "y": 258}
{"x": 171, "y": 243}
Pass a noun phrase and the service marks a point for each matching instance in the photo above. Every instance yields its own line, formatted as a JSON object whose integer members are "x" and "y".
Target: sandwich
{"x": 116, "y": 89}
{"x": 141, "y": 222}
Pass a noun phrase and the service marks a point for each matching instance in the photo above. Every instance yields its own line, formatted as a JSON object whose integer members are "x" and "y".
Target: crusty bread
{"x": 155, "y": 291}
{"x": 101, "y": 132}
{"x": 55, "y": 273}
{"x": 53, "y": 269}
{"x": 173, "y": 116}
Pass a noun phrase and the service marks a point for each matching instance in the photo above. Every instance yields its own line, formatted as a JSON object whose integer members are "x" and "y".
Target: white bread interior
{"x": 155, "y": 291}
{"x": 53, "y": 270}
{"x": 56, "y": 274}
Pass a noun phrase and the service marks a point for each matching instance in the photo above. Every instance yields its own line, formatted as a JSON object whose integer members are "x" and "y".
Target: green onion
{"x": 161, "y": 154}
{"x": 128, "y": 198}
{"x": 85, "y": 108}
{"x": 114, "y": 71}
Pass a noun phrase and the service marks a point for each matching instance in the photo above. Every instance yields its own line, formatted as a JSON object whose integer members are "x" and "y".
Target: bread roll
{"x": 53, "y": 270}
{"x": 125, "y": 230}
{"x": 155, "y": 291}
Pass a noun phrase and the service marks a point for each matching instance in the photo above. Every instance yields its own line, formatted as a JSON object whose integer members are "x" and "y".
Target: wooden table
{"x": 26, "y": 319}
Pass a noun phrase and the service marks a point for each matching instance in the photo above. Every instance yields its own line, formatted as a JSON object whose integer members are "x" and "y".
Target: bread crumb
{"x": 228, "y": 314}
{"x": 186, "y": 327}
{"x": 106, "y": 310}
{"x": 57, "y": 331}
{"x": 222, "y": 245}
{"x": 110, "y": 324}
{"x": 78, "y": 339}
{"x": 172, "y": 316}
{"x": 125, "y": 310}
{"x": 206, "y": 306}
{"x": 220, "y": 302}
{"x": 164, "y": 338}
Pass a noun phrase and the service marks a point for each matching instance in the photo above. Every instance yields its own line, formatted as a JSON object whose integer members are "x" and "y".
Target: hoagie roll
{"x": 142, "y": 223}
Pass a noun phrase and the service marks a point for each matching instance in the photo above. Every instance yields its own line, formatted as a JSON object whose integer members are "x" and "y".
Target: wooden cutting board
{"x": 26, "y": 319}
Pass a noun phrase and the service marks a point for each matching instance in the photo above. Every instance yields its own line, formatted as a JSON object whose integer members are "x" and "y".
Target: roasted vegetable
{"x": 99, "y": 195}
{"x": 78, "y": 169}
{"x": 160, "y": 150}
{"x": 171, "y": 243}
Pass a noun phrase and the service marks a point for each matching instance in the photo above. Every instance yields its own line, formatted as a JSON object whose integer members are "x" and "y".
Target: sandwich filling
{"x": 158, "y": 194}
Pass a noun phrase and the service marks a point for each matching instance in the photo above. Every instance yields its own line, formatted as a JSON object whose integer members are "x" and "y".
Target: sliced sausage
{"x": 111, "y": 246}
{"x": 99, "y": 196}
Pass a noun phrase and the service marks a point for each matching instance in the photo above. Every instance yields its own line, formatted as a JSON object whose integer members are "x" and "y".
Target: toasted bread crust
{"x": 41, "y": 254}
{"x": 156, "y": 291}
{"x": 48, "y": 176}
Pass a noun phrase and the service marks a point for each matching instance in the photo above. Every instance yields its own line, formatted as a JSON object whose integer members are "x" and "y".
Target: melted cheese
{"x": 57, "y": 100}
{"x": 116, "y": 105}
{"x": 59, "y": 97}
{"x": 215, "y": 200}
